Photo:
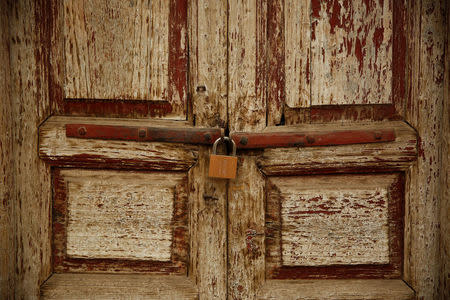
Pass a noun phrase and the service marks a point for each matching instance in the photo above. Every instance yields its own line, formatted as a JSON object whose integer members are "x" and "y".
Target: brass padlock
{"x": 223, "y": 166}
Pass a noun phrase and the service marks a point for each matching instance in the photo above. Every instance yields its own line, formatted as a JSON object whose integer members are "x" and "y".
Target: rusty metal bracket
{"x": 261, "y": 140}
{"x": 205, "y": 136}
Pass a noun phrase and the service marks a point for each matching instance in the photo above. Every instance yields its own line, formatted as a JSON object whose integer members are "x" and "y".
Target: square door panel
{"x": 119, "y": 220}
{"x": 334, "y": 226}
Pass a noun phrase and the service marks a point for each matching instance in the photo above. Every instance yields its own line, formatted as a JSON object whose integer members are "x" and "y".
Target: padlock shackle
{"x": 222, "y": 140}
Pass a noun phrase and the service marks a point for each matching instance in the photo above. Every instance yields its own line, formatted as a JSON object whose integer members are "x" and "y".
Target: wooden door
{"x": 321, "y": 215}
{"x": 133, "y": 214}
{"x": 316, "y": 212}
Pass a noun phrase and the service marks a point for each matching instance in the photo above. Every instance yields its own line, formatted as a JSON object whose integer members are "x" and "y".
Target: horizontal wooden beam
{"x": 115, "y": 286}
{"x": 367, "y": 157}
{"x": 59, "y": 150}
{"x": 301, "y": 138}
{"x": 205, "y": 136}
{"x": 336, "y": 289}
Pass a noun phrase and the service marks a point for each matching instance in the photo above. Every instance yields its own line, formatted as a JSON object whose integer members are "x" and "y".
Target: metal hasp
{"x": 245, "y": 140}
{"x": 205, "y": 136}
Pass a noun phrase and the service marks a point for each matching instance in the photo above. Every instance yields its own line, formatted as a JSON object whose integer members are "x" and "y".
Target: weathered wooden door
{"x": 314, "y": 100}
{"x": 316, "y": 95}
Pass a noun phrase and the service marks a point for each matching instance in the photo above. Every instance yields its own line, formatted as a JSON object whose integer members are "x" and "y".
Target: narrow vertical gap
{"x": 227, "y": 129}
{"x": 227, "y": 123}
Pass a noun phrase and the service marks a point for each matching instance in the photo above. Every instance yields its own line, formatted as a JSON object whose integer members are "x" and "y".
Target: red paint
{"x": 399, "y": 56}
{"x": 315, "y": 8}
{"x": 359, "y": 54}
{"x": 63, "y": 263}
{"x": 373, "y": 112}
{"x": 204, "y": 136}
{"x": 274, "y": 263}
{"x": 100, "y": 162}
{"x": 276, "y": 66}
{"x": 178, "y": 56}
{"x": 310, "y": 139}
{"x": 335, "y": 15}
{"x": 176, "y": 101}
{"x": 116, "y": 108}
{"x": 378, "y": 39}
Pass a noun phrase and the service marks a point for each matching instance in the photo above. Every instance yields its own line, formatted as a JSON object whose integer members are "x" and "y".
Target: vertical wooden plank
{"x": 246, "y": 249}
{"x": 351, "y": 52}
{"x": 399, "y": 61}
{"x": 7, "y": 218}
{"x": 208, "y": 62}
{"x": 276, "y": 93}
{"x": 246, "y": 64}
{"x": 444, "y": 286}
{"x": 178, "y": 56}
{"x": 30, "y": 101}
{"x": 297, "y": 50}
{"x": 208, "y": 225}
{"x": 426, "y": 74}
{"x": 56, "y": 60}
{"x": 207, "y": 196}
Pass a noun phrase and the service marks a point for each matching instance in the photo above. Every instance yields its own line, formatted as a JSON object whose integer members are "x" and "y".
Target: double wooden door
{"x": 310, "y": 93}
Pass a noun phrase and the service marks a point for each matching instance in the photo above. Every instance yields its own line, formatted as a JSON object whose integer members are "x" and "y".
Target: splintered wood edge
{"x": 104, "y": 286}
{"x": 58, "y": 150}
{"x": 396, "y": 155}
{"x": 336, "y": 289}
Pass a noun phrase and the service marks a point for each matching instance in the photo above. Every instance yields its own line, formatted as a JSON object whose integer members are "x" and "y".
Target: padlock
{"x": 223, "y": 166}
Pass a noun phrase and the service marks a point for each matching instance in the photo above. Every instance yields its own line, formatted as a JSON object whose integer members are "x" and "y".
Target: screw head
{"x": 142, "y": 133}
{"x": 82, "y": 131}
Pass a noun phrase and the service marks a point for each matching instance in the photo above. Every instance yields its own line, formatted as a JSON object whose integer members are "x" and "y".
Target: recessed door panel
{"x": 120, "y": 221}
{"x": 325, "y": 225}
{"x": 124, "y": 51}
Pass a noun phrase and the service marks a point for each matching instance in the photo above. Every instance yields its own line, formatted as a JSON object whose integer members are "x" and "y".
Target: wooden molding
{"x": 132, "y": 256}
{"x": 336, "y": 289}
{"x": 123, "y": 286}
{"x": 395, "y": 155}
{"x": 386, "y": 258}
{"x": 59, "y": 150}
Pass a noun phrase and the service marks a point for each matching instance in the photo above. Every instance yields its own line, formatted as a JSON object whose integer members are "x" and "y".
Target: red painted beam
{"x": 310, "y": 139}
{"x": 205, "y": 136}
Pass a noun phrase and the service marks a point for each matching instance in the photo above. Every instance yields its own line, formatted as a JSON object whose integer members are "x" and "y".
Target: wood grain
{"x": 396, "y": 155}
{"x": 133, "y": 50}
{"x": 208, "y": 53}
{"x": 208, "y": 62}
{"x": 334, "y": 220}
{"x": 426, "y": 45}
{"x": 208, "y": 227}
{"x": 113, "y": 214}
{"x": 334, "y": 226}
{"x": 57, "y": 149}
{"x": 118, "y": 221}
{"x": 7, "y": 212}
{"x": 108, "y": 286}
{"x": 351, "y": 52}
{"x": 444, "y": 281}
{"x": 28, "y": 25}
{"x": 336, "y": 289}
{"x": 297, "y": 45}
{"x": 247, "y": 21}
{"x": 116, "y": 49}
{"x": 276, "y": 92}
{"x": 246, "y": 230}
